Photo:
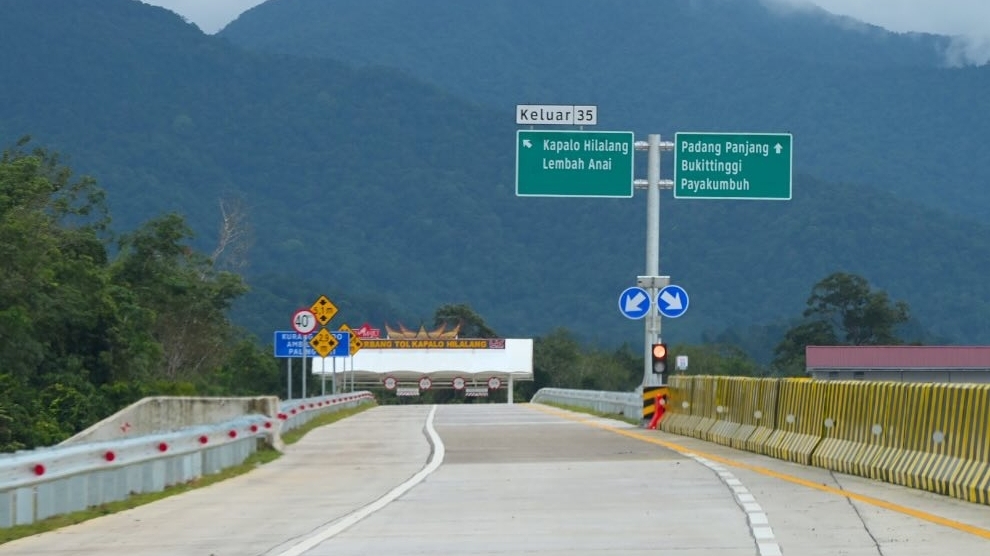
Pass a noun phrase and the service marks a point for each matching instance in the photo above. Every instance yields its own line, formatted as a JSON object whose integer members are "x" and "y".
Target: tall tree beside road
{"x": 188, "y": 297}
{"x": 82, "y": 335}
{"x": 842, "y": 310}
{"x": 60, "y": 336}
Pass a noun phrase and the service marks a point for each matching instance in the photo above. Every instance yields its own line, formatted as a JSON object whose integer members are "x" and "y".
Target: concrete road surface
{"x": 487, "y": 479}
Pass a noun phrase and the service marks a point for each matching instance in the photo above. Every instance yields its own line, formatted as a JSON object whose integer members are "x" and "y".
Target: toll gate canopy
{"x": 448, "y": 363}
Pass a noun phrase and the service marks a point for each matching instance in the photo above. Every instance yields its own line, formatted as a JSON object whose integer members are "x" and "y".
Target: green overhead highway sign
{"x": 754, "y": 166}
{"x": 574, "y": 163}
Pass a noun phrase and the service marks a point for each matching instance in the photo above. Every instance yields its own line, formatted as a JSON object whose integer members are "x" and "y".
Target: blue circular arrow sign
{"x": 634, "y": 303}
{"x": 672, "y": 301}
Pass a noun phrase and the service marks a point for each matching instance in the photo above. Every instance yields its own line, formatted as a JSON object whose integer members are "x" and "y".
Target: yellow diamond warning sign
{"x": 324, "y": 309}
{"x": 323, "y": 342}
{"x": 355, "y": 341}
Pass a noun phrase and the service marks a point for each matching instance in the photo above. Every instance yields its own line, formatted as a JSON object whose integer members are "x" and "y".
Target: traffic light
{"x": 659, "y": 354}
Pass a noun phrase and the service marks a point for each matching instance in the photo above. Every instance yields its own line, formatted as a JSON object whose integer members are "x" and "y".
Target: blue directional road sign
{"x": 293, "y": 344}
{"x": 672, "y": 301}
{"x": 634, "y": 303}
{"x": 343, "y": 348}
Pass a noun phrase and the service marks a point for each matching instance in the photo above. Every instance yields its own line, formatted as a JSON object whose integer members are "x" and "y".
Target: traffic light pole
{"x": 653, "y": 184}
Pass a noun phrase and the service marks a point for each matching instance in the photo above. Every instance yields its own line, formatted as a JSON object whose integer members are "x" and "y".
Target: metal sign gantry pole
{"x": 652, "y": 280}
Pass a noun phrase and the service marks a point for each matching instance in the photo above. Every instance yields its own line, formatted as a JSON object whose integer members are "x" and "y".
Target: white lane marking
{"x": 763, "y": 533}
{"x": 759, "y": 524}
{"x": 332, "y": 529}
{"x": 769, "y": 549}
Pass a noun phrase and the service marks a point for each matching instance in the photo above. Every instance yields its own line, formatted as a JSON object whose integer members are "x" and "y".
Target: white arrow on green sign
{"x": 754, "y": 166}
{"x": 574, "y": 163}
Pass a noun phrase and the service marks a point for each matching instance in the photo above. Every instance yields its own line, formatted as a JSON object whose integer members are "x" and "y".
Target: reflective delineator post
{"x": 660, "y": 409}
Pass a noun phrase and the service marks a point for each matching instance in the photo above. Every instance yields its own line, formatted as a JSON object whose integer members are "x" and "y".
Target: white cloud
{"x": 966, "y": 20}
{"x": 968, "y": 50}
{"x": 945, "y": 17}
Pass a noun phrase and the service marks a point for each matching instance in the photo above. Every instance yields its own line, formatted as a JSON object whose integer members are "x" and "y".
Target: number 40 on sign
{"x": 304, "y": 321}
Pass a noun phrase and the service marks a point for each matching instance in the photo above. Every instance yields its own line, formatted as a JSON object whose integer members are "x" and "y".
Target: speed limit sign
{"x": 390, "y": 382}
{"x": 304, "y": 321}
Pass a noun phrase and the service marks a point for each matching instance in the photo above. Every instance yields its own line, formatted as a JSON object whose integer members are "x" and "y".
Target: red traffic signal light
{"x": 659, "y": 354}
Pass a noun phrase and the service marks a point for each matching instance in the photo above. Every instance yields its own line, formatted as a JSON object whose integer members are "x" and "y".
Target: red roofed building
{"x": 899, "y": 363}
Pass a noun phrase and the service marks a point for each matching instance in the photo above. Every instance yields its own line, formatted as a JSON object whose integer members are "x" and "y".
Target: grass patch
{"x": 261, "y": 457}
{"x": 295, "y": 435}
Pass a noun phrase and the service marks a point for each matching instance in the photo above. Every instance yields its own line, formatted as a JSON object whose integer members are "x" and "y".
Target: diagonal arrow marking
{"x": 633, "y": 302}
{"x": 673, "y": 301}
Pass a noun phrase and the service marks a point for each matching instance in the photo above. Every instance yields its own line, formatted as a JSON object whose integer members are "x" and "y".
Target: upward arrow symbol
{"x": 778, "y": 148}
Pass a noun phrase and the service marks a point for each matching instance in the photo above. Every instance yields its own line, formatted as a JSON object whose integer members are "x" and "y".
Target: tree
{"x": 59, "y": 313}
{"x": 233, "y": 240}
{"x": 842, "y": 310}
{"x": 188, "y": 297}
{"x": 472, "y": 325}
{"x": 555, "y": 360}
{"x": 717, "y": 359}
{"x": 858, "y": 316}
{"x": 81, "y": 336}
{"x": 789, "y": 353}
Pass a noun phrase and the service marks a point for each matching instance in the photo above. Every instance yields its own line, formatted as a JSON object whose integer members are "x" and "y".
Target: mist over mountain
{"x": 376, "y": 162}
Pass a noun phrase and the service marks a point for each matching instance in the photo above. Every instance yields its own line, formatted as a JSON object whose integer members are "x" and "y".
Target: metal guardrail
{"x": 296, "y": 413}
{"x": 45, "y": 482}
{"x": 629, "y": 404}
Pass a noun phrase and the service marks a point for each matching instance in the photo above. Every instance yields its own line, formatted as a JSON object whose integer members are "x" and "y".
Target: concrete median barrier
{"x": 799, "y": 420}
{"x": 680, "y": 417}
{"x": 852, "y": 426}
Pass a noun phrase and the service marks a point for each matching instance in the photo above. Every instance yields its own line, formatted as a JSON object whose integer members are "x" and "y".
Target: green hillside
{"x": 865, "y": 105}
{"x": 393, "y": 194}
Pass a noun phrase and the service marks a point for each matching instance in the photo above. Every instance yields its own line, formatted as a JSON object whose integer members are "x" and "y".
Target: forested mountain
{"x": 865, "y": 106}
{"x": 392, "y": 192}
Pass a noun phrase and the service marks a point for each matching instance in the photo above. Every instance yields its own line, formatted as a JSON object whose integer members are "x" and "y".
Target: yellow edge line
{"x": 932, "y": 518}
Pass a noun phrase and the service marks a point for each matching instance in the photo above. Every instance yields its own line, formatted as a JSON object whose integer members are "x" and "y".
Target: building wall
{"x": 968, "y": 376}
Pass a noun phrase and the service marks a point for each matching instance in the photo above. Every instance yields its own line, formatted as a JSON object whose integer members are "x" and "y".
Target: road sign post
{"x": 304, "y": 322}
{"x": 574, "y": 163}
{"x": 749, "y": 166}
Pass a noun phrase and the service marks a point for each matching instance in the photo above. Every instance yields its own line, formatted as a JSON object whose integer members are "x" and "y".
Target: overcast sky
{"x": 968, "y": 18}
